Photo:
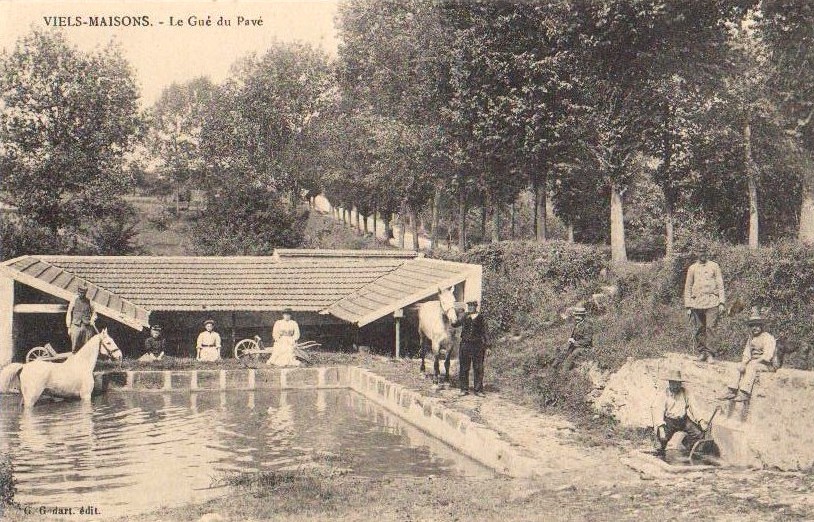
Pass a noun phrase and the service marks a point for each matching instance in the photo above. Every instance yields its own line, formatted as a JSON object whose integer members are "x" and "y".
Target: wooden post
{"x": 6, "y": 319}
{"x": 397, "y": 315}
{"x": 234, "y": 334}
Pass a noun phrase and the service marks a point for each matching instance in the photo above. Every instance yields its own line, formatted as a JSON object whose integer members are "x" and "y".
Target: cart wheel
{"x": 246, "y": 352}
{"x": 37, "y": 352}
{"x": 702, "y": 448}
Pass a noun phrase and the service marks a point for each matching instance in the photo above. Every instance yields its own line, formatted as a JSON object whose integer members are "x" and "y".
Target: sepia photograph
{"x": 408, "y": 260}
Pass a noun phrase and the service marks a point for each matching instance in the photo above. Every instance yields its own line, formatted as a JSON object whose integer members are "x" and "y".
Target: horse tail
{"x": 10, "y": 377}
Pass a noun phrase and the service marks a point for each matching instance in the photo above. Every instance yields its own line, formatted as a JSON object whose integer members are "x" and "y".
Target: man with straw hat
{"x": 581, "y": 339}
{"x": 676, "y": 412}
{"x": 758, "y": 355}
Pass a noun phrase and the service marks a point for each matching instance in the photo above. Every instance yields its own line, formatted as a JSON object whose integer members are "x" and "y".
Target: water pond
{"x": 133, "y": 452}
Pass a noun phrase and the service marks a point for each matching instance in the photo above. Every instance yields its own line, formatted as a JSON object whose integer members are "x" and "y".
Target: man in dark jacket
{"x": 154, "y": 345}
{"x": 473, "y": 347}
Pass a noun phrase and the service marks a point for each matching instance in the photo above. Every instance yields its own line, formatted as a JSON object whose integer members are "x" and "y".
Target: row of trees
{"x": 457, "y": 104}
{"x": 620, "y": 114}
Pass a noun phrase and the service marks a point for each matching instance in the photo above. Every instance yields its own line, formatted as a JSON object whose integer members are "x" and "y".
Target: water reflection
{"x": 131, "y": 452}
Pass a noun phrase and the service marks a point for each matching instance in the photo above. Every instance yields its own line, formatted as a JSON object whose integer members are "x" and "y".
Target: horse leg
{"x": 86, "y": 390}
{"x": 423, "y": 368}
{"x": 31, "y": 392}
{"x": 446, "y": 365}
{"x": 435, "y": 362}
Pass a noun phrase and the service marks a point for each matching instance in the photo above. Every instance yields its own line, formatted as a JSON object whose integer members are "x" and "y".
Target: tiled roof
{"x": 351, "y": 285}
{"x": 413, "y": 281}
{"x": 298, "y": 253}
{"x": 228, "y": 283}
{"x": 55, "y": 280}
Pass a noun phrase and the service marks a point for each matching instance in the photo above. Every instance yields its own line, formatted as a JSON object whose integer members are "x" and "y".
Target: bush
{"x": 161, "y": 218}
{"x": 247, "y": 221}
{"x": 23, "y": 238}
{"x": 8, "y": 487}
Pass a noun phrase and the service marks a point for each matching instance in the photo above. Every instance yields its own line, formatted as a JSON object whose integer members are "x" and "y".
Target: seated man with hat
{"x": 758, "y": 355}
{"x": 153, "y": 345}
{"x": 676, "y": 413}
{"x": 209, "y": 343}
{"x": 286, "y": 333}
{"x": 582, "y": 338}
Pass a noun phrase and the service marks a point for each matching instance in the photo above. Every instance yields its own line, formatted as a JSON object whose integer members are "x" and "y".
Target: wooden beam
{"x": 33, "y": 282}
{"x": 30, "y": 308}
{"x": 6, "y": 319}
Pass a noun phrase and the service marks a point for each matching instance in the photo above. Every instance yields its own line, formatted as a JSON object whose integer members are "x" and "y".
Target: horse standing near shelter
{"x": 72, "y": 378}
{"x": 435, "y": 320}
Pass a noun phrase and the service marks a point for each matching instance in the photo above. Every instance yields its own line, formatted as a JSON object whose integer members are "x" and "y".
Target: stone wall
{"x": 776, "y": 429}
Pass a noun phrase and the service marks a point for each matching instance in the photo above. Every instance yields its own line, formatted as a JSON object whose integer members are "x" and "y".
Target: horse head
{"x": 447, "y": 299}
{"x": 108, "y": 347}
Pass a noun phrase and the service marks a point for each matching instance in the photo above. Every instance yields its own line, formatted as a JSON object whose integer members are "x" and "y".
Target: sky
{"x": 162, "y": 53}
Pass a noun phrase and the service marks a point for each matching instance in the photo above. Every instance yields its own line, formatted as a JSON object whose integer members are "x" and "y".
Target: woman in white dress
{"x": 286, "y": 333}
{"x": 209, "y": 343}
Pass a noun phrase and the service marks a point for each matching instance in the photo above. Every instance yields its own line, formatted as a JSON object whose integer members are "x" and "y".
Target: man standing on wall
{"x": 473, "y": 348}
{"x": 704, "y": 300}
{"x": 80, "y": 318}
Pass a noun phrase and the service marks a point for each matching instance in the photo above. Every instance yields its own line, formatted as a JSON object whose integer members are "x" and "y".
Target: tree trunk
{"x": 388, "y": 232}
{"x": 617, "y": 226}
{"x": 668, "y": 227}
{"x": 462, "y": 221}
{"x": 570, "y": 232}
{"x": 436, "y": 211}
{"x": 483, "y": 215}
{"x": 414, "y": 219}
{"x": 375, "y": 223}
{"x": 806, "y": 233}
{"x": 495, "y": 223}
{"x": 540, "y": 217}
{"x": 364, "y": 224}
{"x": 751, "y": 182}
{"x": 513, "y": 219}
{"x": 403, "y": 228}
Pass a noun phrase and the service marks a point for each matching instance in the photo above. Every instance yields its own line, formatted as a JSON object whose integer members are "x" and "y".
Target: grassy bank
{"x": 528, "y": 286}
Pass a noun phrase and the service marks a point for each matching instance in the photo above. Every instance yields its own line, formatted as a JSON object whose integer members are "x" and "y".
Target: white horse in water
{"x": 435, "y": 320}
{"x": 72, "y": 378}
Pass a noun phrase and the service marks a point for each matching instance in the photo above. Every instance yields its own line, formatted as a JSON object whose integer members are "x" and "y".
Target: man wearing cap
{"x": 582, "y": 338}
{"x": 209, "y": 343}
{"x": 153, "y": 345}
{"x": 757, "y": 357}
{"x": 80, "y": 318}
{"x": 704, "y": 300}
{"x": 675, "y": 410}
{"x": 473, "y": 348}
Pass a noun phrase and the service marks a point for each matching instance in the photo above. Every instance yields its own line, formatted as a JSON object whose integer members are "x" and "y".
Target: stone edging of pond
{"x": 426, "y": 413}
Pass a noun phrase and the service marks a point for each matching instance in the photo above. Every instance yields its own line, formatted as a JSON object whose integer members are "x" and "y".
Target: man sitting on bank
{"x": 154, "y": 345}
{"x": 758, "y": 355}
{"x": 676, "y": 413}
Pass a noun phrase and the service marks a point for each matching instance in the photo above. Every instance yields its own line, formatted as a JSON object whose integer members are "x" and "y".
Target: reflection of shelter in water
{"x": 339, "y": 297}
{"x": 131, "y": 452}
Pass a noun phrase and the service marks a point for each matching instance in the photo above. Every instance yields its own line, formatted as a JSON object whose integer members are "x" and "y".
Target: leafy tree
{"x": 248, "y": 221}
{"x": 787, "y": 27}
{"x": 176, "y": 124}
{"x": 67, "y": 119}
